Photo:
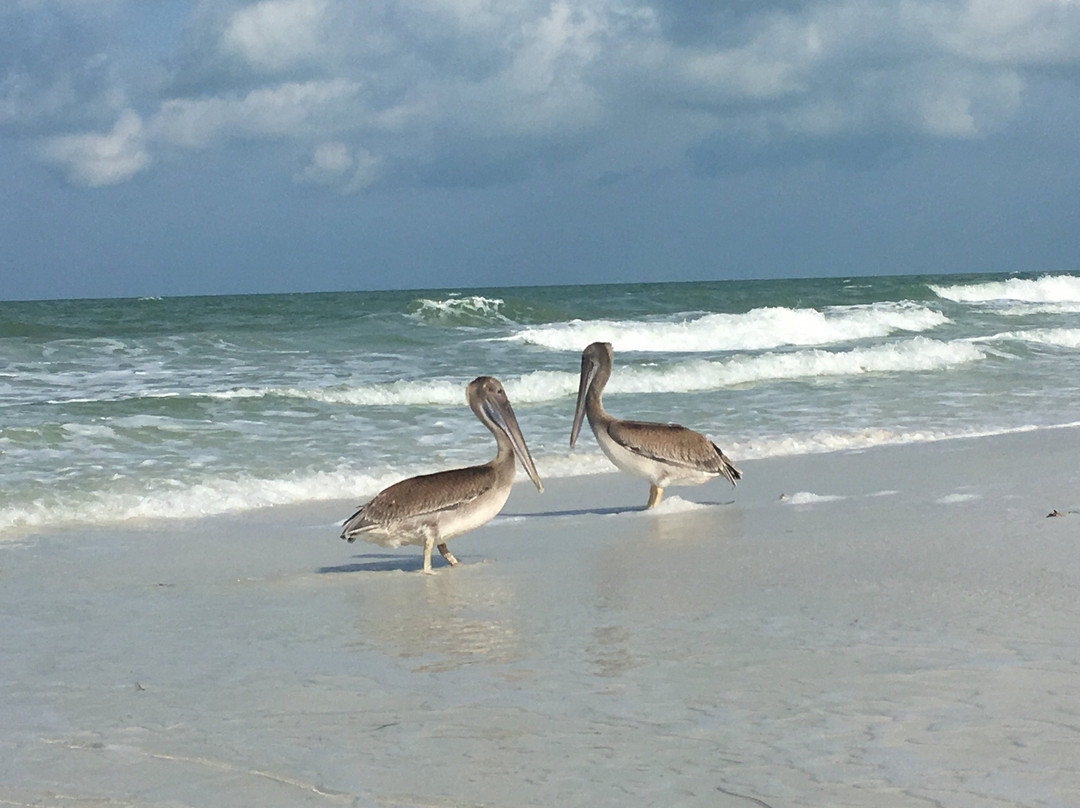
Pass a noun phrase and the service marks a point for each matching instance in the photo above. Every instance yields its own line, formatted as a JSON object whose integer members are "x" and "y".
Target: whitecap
{"x": 758, "y": 329}
{"x": 1030, "y": 309}
{"x": 1047, "y": 289}
{"x": 918, "y": 354}
{"x": 1057, "y": 337}
{"x": 437, "y": 393}
{"x": 825, "y": 441}
{"x": 466, "y": 310}
{"x": 89, "y": 430}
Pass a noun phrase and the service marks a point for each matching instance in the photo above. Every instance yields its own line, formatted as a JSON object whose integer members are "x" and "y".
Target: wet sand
{"x": 900, "y": 628}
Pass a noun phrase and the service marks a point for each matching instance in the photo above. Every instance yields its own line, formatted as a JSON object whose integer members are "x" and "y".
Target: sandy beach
{"x": 893, "y": 627}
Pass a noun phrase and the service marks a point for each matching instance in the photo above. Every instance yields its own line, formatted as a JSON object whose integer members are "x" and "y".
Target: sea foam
{"x": 810, "y": 498}
{"x": 1057, "y": 337}
{"x": 217, "y": 496}
{"x": 434, "y": 393}
{"x": 758, "y": 329}
{"x": 1048, "y": 289}
{"x": 918, "y": 354}
{"x": 137, "y": 410}
{"x": 212, "y": 496}
{"x": 466, "y": 310}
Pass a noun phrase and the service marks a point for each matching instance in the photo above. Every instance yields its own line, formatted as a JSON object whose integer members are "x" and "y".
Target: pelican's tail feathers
{"x": 727, "y": 468}
{"x": 356, "y": 524}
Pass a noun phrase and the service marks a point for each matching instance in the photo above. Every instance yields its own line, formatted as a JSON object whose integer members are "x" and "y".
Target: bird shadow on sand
{"x": 383, "y": 562}
{"x": 387, "y": 562}
{"x": 613, "y": 511}
{"x": 575, "y": 512}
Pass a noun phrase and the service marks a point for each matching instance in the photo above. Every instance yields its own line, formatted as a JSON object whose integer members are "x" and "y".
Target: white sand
{"x": 901, "y": 629}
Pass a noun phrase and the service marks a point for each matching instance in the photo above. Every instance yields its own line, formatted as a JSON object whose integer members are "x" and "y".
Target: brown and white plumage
{"x": 663, "y": 454}
{"x": 431, "y": 509}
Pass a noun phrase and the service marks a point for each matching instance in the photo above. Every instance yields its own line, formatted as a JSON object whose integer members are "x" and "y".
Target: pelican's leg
{"x": 429, "y": 542}
{"x": 655, "y": 495}
{"x": 447, "y": 554}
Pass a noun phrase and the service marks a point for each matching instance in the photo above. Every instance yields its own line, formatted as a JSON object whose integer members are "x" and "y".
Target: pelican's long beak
{"x": 589, "y": 369}
{"x": 502, "y": 415}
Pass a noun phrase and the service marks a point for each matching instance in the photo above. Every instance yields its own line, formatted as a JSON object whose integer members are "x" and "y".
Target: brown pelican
{"x": 663, "y": 454}
{"x": 431, "y": 509}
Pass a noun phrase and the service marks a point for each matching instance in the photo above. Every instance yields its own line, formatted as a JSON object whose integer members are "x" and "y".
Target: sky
{"x": 187, "y": 147}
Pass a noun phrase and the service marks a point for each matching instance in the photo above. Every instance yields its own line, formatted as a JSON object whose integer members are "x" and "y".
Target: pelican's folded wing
{"x": 673, "y": 444}
{"x": 423, "y": 495}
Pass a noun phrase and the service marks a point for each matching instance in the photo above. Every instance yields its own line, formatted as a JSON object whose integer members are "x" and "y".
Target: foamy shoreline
{"x": 145, "y": 508}
{"x": 898, "y": 628}
{"x": 121, "y": 412}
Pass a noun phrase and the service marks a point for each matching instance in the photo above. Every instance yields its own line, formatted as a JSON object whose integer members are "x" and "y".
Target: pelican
{"x": 431, "y": 509}
{"x": 663, "y": 454}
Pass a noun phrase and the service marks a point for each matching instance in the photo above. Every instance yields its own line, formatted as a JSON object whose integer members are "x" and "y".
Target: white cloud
{"x": 849, "y": 69}
{"x": 1032, "y": 32}
{"x": 330, "y": 160}
{"x": 101, "y": 159}
{"x": 334, "y": 164}
{"x": 545, "y": 87}
{"x": 291, "y": 109}
{"x": 275, "y": 35}
{"x": 423, "y": 81}
{"x": 963, "y": 103}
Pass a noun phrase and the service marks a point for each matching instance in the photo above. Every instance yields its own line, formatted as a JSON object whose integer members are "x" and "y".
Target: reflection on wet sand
{"x": 452, "y": 620}
{"x": 651, "y": 574}
{"x": 609, "y": 652}
{"x": 655, "y": 567}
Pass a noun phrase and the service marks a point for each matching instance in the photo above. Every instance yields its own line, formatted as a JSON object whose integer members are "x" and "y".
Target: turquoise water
{"x": 113, "y": 410}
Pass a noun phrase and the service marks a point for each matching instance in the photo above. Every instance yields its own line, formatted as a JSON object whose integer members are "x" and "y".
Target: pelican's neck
{"x": 505, "y": 459}
{"x": 594, "y": 398}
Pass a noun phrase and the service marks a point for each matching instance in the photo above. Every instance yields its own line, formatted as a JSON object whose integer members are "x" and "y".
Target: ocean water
{"x": 116, "y": 410}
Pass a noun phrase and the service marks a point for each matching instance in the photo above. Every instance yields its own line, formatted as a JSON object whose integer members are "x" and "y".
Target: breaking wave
{"x": 758, "y": 329}
{"x": 393, "y": 394}
{"x": 918, "y": 354}
{"x": 473, "y": 310}
{"x": 1056, "y": 337}
{"x": 215, "y": 497}
{"x": 1055, "y": 289}
{"x": 207, "y": 498}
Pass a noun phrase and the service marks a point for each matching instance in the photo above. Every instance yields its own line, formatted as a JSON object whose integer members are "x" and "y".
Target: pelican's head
{"x": 596, "y": 361}
{"x": 488, "y": 400}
